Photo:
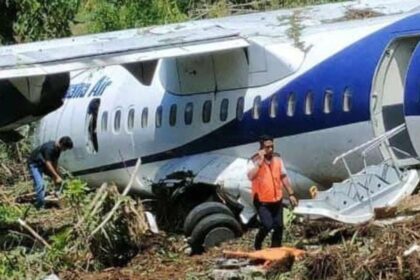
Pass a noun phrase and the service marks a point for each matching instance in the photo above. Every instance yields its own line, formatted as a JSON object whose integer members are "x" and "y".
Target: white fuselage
{"x": 187, "y": 113}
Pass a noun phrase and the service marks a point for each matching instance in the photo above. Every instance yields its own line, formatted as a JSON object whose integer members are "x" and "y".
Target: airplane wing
{"x": 34, "y": 77}
{"x": 70, "y": 54}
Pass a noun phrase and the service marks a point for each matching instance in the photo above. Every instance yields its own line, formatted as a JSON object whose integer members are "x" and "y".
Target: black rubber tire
{"x": 209, "y": 223}
{"x": 203, "y": 210}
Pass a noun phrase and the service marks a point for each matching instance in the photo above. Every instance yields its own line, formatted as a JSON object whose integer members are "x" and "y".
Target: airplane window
{"x": 144, "y": 116}
{"x": 130, "y": 120}
{"x": 224, "y": 107}
{"x": 188, "y": 116}
{"x": 117, "y": 121}
{"x": 309, "y": 103}
{"x": 172, "y": 115}
{"x": 328, "y": 98}
{"x": 104, "y": 122}
{"x": 240, "y": 108}
{"x": 274, "y": 106}
{"x": 291, "y": 104}
{"x": 159, "y": 116}
{"x": 207, "y": 111}
{"x": 256, "y": 109}
{"x": 347, "y": 100}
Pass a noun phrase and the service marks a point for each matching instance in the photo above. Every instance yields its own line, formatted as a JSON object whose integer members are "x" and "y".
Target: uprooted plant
{"x": 73, "y": 246}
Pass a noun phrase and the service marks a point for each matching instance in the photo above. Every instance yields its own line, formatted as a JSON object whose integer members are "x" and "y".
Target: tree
{"x": 108, "y": 15}
{"x": 8, "y": 15}
{"x": 30, "y": 20}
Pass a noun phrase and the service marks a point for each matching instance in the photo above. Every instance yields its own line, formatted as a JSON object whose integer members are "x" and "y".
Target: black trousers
{"x": 271, "y": 217}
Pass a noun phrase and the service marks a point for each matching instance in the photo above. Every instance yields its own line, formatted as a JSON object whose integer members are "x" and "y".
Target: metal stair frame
{"x": 363, "y": 191}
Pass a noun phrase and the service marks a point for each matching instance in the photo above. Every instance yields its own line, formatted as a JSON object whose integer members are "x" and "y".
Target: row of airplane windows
{"x": 224, "y": 110}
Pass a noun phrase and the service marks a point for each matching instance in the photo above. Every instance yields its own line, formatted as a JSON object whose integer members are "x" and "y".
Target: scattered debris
{"x": 355, "y": 14}
{"x": 414, "y": 248}
{"x": 34, "y": 233}
{"x": 51, "y": 277}
{"x": 410, "y": 205}
{"x": 125, "y": 247}
{"x": 295, "y": 30}
{"x": 246, "y": 272}
{"x": 270, "y": 256}
{"x": 373, "y": 252}
{"x": 385, "y": 212}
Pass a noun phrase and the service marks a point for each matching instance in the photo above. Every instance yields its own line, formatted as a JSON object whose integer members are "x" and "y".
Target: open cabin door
{"x": 390, "y": 97}
{"x": 412, "y": 100}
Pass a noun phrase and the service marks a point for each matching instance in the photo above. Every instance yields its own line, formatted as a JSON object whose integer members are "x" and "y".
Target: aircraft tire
{"x": 203, "y": 210}
{"x": 213, "y": 230}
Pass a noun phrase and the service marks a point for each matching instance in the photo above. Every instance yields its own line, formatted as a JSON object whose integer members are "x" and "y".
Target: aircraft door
{"x": 412, "y": 100}
{"x": 91, "y": 126}
{"x": 389, "y": 97}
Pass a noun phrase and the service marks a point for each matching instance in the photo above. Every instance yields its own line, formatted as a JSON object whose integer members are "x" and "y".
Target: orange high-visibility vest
{"x": 267, "y": 184}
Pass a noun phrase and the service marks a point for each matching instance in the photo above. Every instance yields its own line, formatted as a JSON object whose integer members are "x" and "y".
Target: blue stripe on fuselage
{"x": 352, "y": 68}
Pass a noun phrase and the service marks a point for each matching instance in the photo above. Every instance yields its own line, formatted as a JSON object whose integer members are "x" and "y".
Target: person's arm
{"x": 50, "y": 164}
{"x": 252, "y": 172}
{"x": 55, "y": 165}
{"x": 256, "y": 163}
{"x": 53, "y": 171}
{"x": 287, "y": 185}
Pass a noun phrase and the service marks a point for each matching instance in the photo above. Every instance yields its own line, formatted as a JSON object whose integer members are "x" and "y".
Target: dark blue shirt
{"x": 46, "y": 152}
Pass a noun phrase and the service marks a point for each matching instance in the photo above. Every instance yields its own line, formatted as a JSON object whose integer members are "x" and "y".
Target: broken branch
{"x": 34, "y": 233}
{"x": 117, "y": 204}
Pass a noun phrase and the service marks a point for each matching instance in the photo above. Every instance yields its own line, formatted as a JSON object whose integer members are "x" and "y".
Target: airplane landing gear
{"x": 210, "y": 224}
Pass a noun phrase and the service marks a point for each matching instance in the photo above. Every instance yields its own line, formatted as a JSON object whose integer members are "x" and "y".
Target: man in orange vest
{"x": 268, "y": 176}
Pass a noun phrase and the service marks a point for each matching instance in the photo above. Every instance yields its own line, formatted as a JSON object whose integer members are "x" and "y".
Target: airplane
{"x": 327, "y": 83}
{"x": 35, "y": 77}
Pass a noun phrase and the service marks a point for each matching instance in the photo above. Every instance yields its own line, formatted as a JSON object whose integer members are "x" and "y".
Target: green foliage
{"x": 57, "y": 256}
{"x": 9, "y": 214}
{"x": 8, "y": 15}
{"x": 30, "y": 20}
{"x": 198, "y": 9}
{"x": 9, "y": 267}
{"x": 107, "y": 15}
{"x": 38, "y": 19}
{"x": 12, "y": 159}
{"x": 288, "y": 218}
{"x": 75, "y": 192}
